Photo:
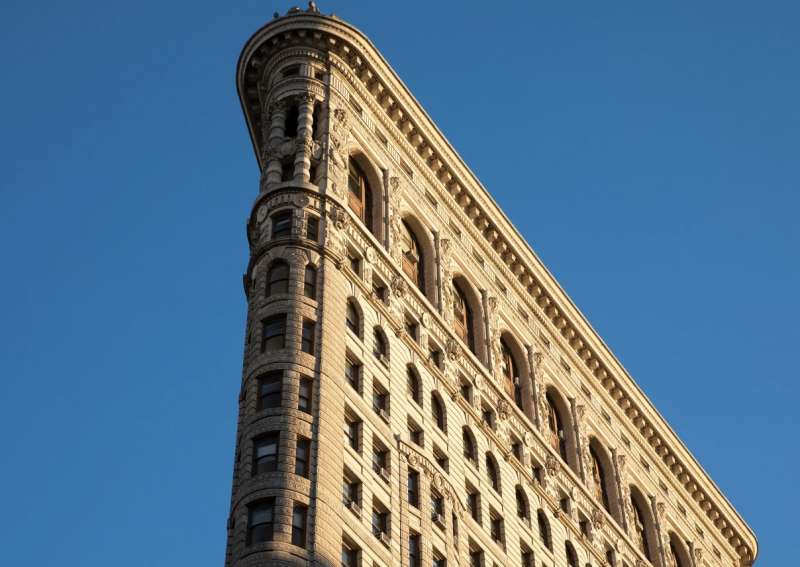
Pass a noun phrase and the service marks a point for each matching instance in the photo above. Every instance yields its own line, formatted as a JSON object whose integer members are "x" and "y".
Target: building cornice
{"x": 454, "y": 177}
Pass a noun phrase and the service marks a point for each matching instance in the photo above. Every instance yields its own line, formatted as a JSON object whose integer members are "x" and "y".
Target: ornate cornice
{"x": 427, "y": 147}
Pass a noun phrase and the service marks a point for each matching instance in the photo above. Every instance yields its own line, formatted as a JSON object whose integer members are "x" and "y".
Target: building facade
{"x": 417, "y": 388}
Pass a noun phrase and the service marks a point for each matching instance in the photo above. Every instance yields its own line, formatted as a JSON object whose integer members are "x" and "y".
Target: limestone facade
{"x": 417, "y": 388}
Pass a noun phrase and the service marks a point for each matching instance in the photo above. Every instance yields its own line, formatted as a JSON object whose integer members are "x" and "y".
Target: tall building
{"x": 417, "y": 388}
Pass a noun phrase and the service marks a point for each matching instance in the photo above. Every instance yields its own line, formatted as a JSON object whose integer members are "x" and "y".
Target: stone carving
{"x": 398, "y": 286}
{"x": 503, "y": 410}
{"x": 339, "y": 217}
{"x": 552, "y": 465}
{"x": 598, "y": 518}
{"x": 698, "y": 553}
{"x": 452, "y": 349}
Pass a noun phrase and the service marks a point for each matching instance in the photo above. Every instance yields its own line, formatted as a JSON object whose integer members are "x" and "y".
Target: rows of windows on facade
{"x": 557, "y": 423}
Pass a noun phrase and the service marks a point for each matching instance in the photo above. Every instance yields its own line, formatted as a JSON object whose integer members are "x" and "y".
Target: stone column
{"x": 576, "y": 420}
{"x": 305, "y": 145}
{"x": 657, "y": 509}
{"x": 276, "y": 134}
{"x": 619, "y": 464}
{"x": 533, "y": 366}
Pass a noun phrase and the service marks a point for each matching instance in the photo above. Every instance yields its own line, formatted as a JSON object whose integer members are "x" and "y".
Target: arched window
{"x": 544, "y": 529}
{"x": 438, "y": 411}
{"x": 510, "y": 374}
{"x": 462, "y": 318}
{"x": 380, "y": 348}
{"x": 414, "y": 386}
{"x": 640, "y": 528}
{"x": 557, "y": 434}
{"x": 523, "y": 512}
{"x": 600, "y": 479}
{"x": 413, "y": 257}
{"x": 470, "y": 447}
{"x": 492, "y": 472}
{"x": 352, "y": 318}
{"x": 359, "y": 193}
{"x": 677, "y": 556}
{"x": 310, "y": 282}
{"x": 278, "y": 278}
{"x": 572, "y": 557}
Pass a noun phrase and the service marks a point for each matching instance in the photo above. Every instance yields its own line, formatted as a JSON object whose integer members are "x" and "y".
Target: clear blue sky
{"x": 648, "y": 152}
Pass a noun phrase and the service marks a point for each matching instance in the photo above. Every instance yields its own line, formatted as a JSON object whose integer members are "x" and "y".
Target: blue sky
{"x": 649, "y": 153}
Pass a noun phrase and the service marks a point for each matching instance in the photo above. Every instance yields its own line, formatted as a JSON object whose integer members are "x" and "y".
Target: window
{"x": 438, "y": 560}
{"x": 273, "y": 335}
{"x": 307, "y": 338}
{"x": 435, "y": 356}
{"x": 380, "y": 522}
{"x": 413, "y": 488}
{"x": 516, "y": 450}
{"x": 598, "y": 478}
{"x": 544, "y": 530}
{"x": 359, "y": 193}
{"x": 522, "y": 505}
{"x": 415, "y": 434}
{"x": 492, "y": 472}
{"x": 462, "y": 317}
{"x": 380, "y": 400}
{"x": 379, "y": 289}
{"x": 437, "y": 508}
{"x": 292, "y": 115}
{"x": 260, "y": 520}
{"x": 466, "y": 391}
{"x": 352, "y": 318}
{"x": 412, "y": 328}
{"x": 470, "y": 449}
{"x": 526, "y": 556}
{"x": 352, "y": 371}
{"x": 557, "y": 435}
{"x": 414, "y": 386}
{"x": 282, "y": 224}
{"x": 352, "y": 432}
{"x": 277, "y": 278}
{"x": 572, "y": 557}
{"x": 510, "y": 372}
{"x": 380, "y": 459}
{"x": 310, "y": 282}
{"x": 269, "y": 390}
{"x": 312, "y": 228}
{"x": 414, "y": 551}
{"x": 302, "y": 459}
{"x": 474, "y": 503}
{"x": 299, "y": 516}
{"x": 265, "y": 453}
{"x": 640, "y": 530}
{"x": 441, "y": 459}
{"x": 355, "y": 263}
{"x": 413, "y": 260}
{"x": 475, "y": 555}
{"x": 496, "y": 528}
{"x": 304, "y": 391}
{"x": 351, "y": 493}
{"x": 350, "y": 555}
{"x": 438, "y": 411}
{"x": 488, "y": 417}
{"x": 380, "y": 347}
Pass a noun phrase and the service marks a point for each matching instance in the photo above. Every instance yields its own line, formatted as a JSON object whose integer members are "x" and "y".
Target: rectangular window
{"x": 310, "y": 282}
{"x": 414, "y": 551}
{"x": 380, "y": 459}
{"x": 350, "y": 555}
{"x": 351, "y": 493}
{"x": 438, "y": 560}
{"x": 304, "y": 391}
{"x": 415, "y": 434}
{"x": 352, "y": 431}
{"x": 355, "y": 264}
{"x": 269, "y": 390}
{"x": 265, "y": 453}
{"x": 299, "y": 516}
{"x": 437, "y": 508}
{"x": 312, "y": 228}
{"x": 282, "y": 224}
{"x": 273, "y": 335}
{"x": 260, "y": 521}
{"x": 307, "y": 340}
{"x": 380, "y": 401}
{"x": 526, "y": 557}
{"x": 352, "y": 371}
{"x": 413, "y": 488}
{"x": 497, "y": 529}
{"x": 380, "y": 522}
{"x": 474, "y": 504}
{"x": 302, "y": 458}
{"x": 475, "y": 556}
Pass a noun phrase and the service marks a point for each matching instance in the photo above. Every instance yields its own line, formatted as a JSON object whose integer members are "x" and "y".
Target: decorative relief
{"x": 437, "y": 479}
{"x": 598, "y": 518}
{"x": 452, "y": 349}
{"x": 398, "y": 286}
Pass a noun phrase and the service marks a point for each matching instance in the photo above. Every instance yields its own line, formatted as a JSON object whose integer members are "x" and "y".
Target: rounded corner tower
{"x": 417, "y": 389}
